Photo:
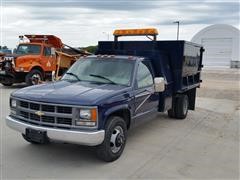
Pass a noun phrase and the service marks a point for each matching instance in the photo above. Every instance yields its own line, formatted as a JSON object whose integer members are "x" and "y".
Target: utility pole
{"x": 177, "y": 22}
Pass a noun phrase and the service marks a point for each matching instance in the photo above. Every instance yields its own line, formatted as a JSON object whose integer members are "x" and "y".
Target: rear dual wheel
{"x": 179, "y": 107}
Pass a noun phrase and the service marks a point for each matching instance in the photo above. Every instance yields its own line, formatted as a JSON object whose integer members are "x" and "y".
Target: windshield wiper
{"x": 102, "y": 77}
{"x": 72, "y": 74}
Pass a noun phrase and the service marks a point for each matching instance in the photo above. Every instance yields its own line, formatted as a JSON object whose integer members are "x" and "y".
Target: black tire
{"x": 28, "y": 140}
{"x": 108, "y": 151}
{"x": 7, "y": 84}
{"x": 181, "y": 106}
{"x": 29, "y": 79}
{"x": 171, "y": 113}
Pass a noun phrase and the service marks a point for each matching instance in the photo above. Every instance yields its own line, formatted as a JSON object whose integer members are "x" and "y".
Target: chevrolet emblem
{"x": 39, "y": 113}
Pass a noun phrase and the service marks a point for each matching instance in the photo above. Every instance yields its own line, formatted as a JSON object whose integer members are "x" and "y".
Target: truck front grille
{"x": 48, "y": 108}
{"x": 34, "y": 117}
{"x": 64, "y": 120}
{"x": 48, "y": 119}
{"x": 24, "y": 104}
{"x": 34, "y": 106}
{"x": 62, "y": 109}
{"x": 44, "y": 114}
{"x": 24, "y": 114}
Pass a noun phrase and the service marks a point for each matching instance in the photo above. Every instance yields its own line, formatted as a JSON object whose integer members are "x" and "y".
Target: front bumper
{"x": 71, "y": 136}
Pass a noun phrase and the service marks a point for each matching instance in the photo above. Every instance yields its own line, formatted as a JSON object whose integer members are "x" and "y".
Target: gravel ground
{"x": 204, "y": 146}
{"x": 220, "y": 84}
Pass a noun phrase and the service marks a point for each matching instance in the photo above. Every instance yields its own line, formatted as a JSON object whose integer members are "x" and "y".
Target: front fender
{"x": 115, "y": 108}
{"x": 111, "y": 110}
{"x": 27, "y": 66}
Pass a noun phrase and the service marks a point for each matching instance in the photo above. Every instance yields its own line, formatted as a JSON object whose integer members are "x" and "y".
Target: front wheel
{"x": 34, "y": 77}
{"x": 115, "y": 139}
{"x": 182, "y": 107}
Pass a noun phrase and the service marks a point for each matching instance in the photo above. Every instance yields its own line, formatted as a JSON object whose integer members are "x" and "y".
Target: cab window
{"x": 28, "y": 49}
{"x": 144, "y": 76}
{"x": 47, "y": 51}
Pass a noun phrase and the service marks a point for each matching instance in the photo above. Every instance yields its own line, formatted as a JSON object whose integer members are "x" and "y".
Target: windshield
{"x": 110, "y": 71}
{"x": 28, "y": 49}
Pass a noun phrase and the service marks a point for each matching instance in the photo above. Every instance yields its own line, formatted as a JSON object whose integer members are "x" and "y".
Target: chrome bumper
{"x": 76, "y": 137}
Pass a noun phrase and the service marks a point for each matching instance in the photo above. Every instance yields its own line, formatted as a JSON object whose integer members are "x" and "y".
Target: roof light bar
{"x": 136, "y": 32}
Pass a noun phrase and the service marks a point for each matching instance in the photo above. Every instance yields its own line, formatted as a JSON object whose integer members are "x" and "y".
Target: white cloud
{"x": 82, "y": 23}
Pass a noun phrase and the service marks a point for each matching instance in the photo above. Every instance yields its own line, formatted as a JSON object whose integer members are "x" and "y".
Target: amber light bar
{"x": 136, "y": 32}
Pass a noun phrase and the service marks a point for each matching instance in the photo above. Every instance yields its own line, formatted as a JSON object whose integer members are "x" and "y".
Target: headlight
{"x": 13, "y": 103}
{"x": 87, "y": 117}
{"x": 85, "y": 114}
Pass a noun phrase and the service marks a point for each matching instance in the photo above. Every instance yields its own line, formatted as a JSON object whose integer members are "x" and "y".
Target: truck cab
{"x": 33, "y": 59}
{"x": 103, "y": 96}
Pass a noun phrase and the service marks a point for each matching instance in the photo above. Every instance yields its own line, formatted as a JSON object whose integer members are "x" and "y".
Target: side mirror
{"x": 159, "y": 84}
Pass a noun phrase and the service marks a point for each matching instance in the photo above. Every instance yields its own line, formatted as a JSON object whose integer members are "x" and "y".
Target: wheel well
{"x": 38, "y": 68}
{"x": 125, "y": 114}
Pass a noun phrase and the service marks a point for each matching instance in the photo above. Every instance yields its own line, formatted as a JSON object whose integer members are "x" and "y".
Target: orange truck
{"x": 33, "y": 59}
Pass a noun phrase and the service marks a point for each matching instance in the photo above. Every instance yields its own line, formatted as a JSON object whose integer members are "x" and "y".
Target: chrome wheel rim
{"x": 117, "y": 139}
{"x": 35, "y": 78}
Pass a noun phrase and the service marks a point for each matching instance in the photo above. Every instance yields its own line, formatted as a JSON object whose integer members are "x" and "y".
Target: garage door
{"x": 218, "y": 51}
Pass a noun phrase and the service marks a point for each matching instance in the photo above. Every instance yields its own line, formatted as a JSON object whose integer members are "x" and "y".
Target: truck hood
{"x": 75, "y": 93}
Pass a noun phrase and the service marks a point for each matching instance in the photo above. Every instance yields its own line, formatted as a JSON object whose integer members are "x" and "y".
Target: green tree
{"x": 91, "y": 49}
{"x": 3, "y": 47}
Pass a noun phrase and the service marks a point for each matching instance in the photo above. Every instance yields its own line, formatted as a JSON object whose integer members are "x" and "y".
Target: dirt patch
{"x": 221, "y": 84}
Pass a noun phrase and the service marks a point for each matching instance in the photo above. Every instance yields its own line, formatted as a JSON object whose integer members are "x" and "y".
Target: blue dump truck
{"x": 102, "y": 96}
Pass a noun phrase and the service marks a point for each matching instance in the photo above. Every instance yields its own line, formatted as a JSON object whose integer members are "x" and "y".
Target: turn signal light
{"x": 94, "y": 114}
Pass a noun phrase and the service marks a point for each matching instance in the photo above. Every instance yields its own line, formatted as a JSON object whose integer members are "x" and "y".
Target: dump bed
{"x": 49, "y": 39}
{"x": 180, "y": 62}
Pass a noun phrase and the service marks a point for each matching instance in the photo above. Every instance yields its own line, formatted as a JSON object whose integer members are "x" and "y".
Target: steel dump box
{"x": 182, "y": 59}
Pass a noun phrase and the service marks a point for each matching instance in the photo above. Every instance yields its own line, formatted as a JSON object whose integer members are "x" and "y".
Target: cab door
{"x": 49, "y": 60}
{"x": 146, "y": 100}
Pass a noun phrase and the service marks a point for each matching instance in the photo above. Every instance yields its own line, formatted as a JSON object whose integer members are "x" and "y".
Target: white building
{"x": 221, "y": 44}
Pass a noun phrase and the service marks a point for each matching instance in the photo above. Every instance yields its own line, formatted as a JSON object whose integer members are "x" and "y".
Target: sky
{"x": 85, "y": 22}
